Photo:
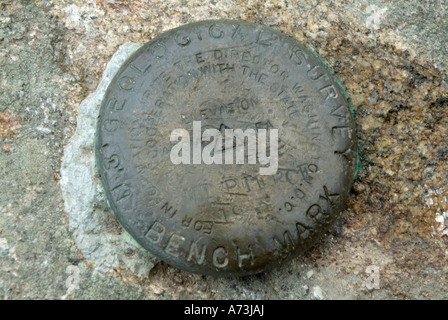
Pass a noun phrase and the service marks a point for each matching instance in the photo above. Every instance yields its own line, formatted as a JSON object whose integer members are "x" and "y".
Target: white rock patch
{"x": 84, "y": 201}
{"x": 441, "y": 216}
{"x": 374, "y": 21}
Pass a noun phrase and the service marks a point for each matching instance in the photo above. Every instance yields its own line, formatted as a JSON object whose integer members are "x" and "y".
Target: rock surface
{"x": 390, "y": 242}
{"x": 94, "y": 228}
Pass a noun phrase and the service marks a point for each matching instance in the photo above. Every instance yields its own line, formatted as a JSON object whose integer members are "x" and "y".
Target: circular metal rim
{"x": 156, "y": 250}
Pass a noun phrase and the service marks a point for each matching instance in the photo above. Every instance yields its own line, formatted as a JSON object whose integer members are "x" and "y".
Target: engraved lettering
{"x": 298, "y": 89}
{"x": 299, "y": 193}
{"x": 220, "y": 259}
{"x": 217, "y": 54}
{"x": 338, "y": 111}
{"x": 329, "y": 92}
{"x": 215, "y": 32}
{"x": 266, "y": 41}
{"x": 158, "y": 50}
{"x": 229, "y": 184}
{"x": 182, "y": 39}
{"x": 113, "y": 104}
{"x": 238, "y": 32}
{"x": 196, "y": 254}
{"x": 139, "y": 70}
{"x": 246, "y": 256}
{"x": 298, "y": 56}
{"x": 199, "y": 58}
{"x": 289, "y": 206}
{"x": 121, "y": 192}
{"x": 313, "y": 74}
{"x": 174, "y": 242}
{"x": 329, "y": 197}
{"x": 126, "y": 83}
{"x": 112, "y": 162}
{"x": 304, "y": 232}
{"x": 197, "y": 32}
{"x": 169, "y": 209}
{"x": 346, "y": 154}
{"x": 287, "y": 245}
{"x": 186, "y": 221}
{"x": 155, "y": 232}
{"x": 318, "y": 215}
{"x": 342, "y": 131}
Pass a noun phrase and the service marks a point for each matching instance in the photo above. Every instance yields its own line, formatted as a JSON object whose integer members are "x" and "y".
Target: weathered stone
{"x": 88, "y": 215}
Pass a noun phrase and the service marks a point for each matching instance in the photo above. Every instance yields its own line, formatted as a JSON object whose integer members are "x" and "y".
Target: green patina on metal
{"x": 352, "y": 111}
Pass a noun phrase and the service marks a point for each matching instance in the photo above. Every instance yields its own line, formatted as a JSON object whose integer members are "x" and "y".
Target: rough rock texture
{"x": 390, "y": 55}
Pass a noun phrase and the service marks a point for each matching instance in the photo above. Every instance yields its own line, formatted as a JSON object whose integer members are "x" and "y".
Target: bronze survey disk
{"x": 225, "y": 219}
